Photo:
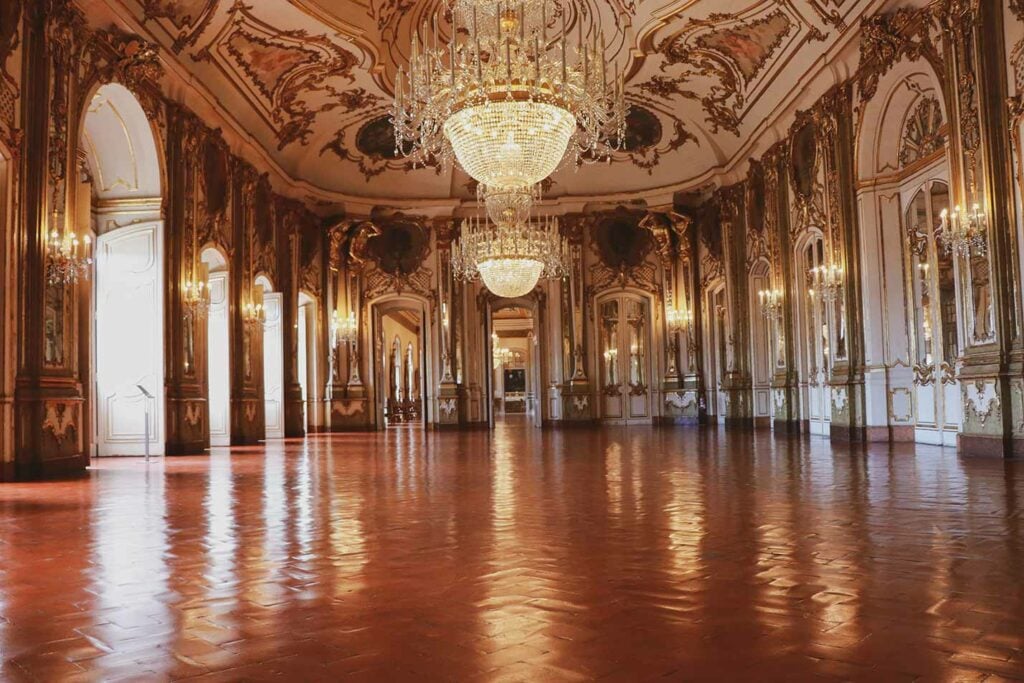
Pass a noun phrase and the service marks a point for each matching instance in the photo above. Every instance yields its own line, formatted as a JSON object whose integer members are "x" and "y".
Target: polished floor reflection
{"x": 523, "y": 555}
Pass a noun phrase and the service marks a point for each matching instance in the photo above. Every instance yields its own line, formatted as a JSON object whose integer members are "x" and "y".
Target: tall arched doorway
{"x": 917, "y": 290}
{"x": 218, "y": 349}
{"x": 120, "y": 196}
{"x": 515, "y": 370}
{"x": 400, "y": 367}
{"x": 273, "y": 359}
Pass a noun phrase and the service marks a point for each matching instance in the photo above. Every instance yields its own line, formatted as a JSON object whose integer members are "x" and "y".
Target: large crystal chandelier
{"x": 505, "y": 98}
{"x": 507, "y": 250}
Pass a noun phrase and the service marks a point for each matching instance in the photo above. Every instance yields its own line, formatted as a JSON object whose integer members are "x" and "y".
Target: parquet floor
{"x": 617, "y": 554}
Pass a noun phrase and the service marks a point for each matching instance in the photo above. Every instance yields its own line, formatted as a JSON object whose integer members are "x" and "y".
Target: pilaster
{"x": 785, "y": 383}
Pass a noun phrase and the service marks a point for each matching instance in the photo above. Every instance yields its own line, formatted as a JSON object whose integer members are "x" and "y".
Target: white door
{"x": 303, "y": 360}
{"x": 625, "y": 358}
{"x": 218, "y": 364}
{"x": 129, "y": 347}
{"x": 819, "y": 358}
{"x": 273, "y": 365}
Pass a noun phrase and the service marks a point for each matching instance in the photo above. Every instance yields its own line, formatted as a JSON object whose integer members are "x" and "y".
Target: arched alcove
{"x": 909, "y": 308}
{"x": 120, "y": 196}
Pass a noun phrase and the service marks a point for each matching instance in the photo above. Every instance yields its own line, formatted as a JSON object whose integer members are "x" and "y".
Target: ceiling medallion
{"x": 506, "y": 99}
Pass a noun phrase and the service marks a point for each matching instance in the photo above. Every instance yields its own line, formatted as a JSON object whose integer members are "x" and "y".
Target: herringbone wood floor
{"x": 615, "y": 554}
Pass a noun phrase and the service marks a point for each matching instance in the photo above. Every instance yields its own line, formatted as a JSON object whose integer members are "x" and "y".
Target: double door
{"x": 624, "y": 348}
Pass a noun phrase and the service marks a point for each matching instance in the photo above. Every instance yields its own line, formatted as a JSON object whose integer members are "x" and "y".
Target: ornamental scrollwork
{"x": 922, "y": 134}
{"x": 924, "y": 375}
{"x": 888, "y": 38}
{"x": 982, "y": 399}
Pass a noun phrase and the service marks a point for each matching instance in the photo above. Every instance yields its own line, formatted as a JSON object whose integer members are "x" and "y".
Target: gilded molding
{"x": 907, "y": 33}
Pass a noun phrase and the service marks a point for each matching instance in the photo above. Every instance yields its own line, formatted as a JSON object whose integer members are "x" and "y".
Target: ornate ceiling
{"x": 310, "y": 82}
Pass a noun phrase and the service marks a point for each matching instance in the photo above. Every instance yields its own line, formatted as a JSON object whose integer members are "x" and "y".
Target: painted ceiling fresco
{"x": 310, "y": 81}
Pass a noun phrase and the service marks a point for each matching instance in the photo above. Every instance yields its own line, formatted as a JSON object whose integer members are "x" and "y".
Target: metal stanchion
{"x": 149, "y": 398}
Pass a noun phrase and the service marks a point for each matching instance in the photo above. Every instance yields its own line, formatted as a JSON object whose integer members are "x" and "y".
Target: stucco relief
{"x": 290, "y": 76}
{"x": 724, "y": 55}
{"x": 901, "y": 405}
{"x": 981, "y": 400}
{"x": 186, "y": 19}
{"x": 922, "y": 135}
{"x": 622, "y": 248}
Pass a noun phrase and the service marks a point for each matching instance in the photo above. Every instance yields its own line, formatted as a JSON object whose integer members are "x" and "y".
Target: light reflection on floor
{"x": 522, "y": 554}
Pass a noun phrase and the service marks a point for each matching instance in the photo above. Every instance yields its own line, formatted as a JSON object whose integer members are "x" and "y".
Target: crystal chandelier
{"x": 509, "y": 256}
{"x": 68, "y": 258}
{"x": 195, "y": 293}
{"x": 964, "y": 231}
{"x": 770, "y": 302}
{"x": 828, "y": 281}
{"x": 505, "y": 98}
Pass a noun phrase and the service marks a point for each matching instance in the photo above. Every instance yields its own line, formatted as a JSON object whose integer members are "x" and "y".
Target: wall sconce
{"x": 964, "y": 231}
{"x": 253, "y": 313}
{"x": 195, "y": 293}
{"x": 343, "y": 330}
{"x": 68, "y": 258}
{"x": 676, "y": 320}
{"x": 770, "y": 301}
{"x": 828, "y": 280}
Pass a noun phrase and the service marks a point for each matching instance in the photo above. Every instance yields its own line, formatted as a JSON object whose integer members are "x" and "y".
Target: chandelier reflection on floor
{"x": 510, "y": 254}
{"x": 505, "y": 96}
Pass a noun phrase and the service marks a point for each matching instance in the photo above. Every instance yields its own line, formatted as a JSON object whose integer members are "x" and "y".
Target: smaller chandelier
{"x": 828, "y": 281}
{"x": 770, "y": 302}
{"x": 510, "y": 258}
{"x": 68, "y": 258}
{"x": 195, "y": 294}
{"x": 507, "y": 205}
{"x": 964, "y": 232}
